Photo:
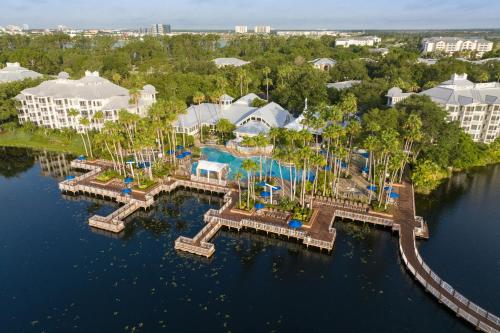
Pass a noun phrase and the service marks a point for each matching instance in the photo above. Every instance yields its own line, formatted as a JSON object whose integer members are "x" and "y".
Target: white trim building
{"x": 249, "y": 120}
{"x": 450, "y": 45}
{"x": 324, "y": 64}
{"x": 49, "y": 103}
{"x": 358, "y": 41}
{"x": 475, "y": 106}
{"x": 234, "y": 62}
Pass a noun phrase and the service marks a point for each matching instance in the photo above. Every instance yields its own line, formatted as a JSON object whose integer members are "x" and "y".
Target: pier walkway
{"x": 319, "y": 232}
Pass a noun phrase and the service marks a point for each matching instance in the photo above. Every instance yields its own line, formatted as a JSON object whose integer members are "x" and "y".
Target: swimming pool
{"x": 216, "y": 155}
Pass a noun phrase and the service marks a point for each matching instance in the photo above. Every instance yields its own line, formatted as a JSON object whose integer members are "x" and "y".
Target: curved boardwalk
{"x": 405, "y": 217}
{"x": 320, "y": 233}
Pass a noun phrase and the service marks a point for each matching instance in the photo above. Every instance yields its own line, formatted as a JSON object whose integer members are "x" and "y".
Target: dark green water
{"x": 58, "y": 275}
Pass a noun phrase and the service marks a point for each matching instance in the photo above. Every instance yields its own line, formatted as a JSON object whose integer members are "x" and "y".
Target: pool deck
{"x": 319, "y": 233}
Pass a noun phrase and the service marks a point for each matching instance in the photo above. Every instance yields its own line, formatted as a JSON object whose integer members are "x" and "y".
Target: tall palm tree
{"x": 250, "y": 166}
{"x": 85, "y": 122}
{"x": 267, "y": 81}
{"x": 238, "y": 176}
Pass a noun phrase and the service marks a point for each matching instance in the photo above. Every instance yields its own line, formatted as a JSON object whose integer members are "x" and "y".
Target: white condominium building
{"x": 262, "y": 29}
{"x": 241, "y": 29}
{"x": 451, "y": 45}
{"x": 358, "y": 41}
{"x": 49, "y": 104}
{"x": 14, "y": 72}
{"x": 159, "y": 29}
{"x": 475, "y": 106}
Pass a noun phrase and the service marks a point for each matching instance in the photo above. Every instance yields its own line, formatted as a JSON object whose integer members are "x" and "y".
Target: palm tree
{"x": 198, "y": 97}
{"x": 249, "y": 166}
{"x": 238, "y": 176}
{"x": 85, "y": 122}
{"x": 135, "y": 95}
{"x": 267, "y": 81}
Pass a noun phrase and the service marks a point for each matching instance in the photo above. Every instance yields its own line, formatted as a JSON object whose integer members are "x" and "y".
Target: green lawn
{"x": 52, "y": 142}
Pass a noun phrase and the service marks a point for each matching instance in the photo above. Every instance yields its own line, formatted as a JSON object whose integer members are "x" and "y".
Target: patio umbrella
{"x": 187, "y": 153}
{"x": 70, "y": 177}
{"x": 365, "y": 170}
{"x": 327, "y": 168}
{"x": 128, "y": 180}
{"x": 179, "y": 147}
{"x": 295, "y": 224}
{"x": 394, "y": 195}
{"x": 81, "y": 158}
{"x": 265, "y": 194}
{"x": 372, "y": 187}
{"x": 180, "y": 156}
{"x": 365, "y": 155}
{"x": 170, "y": 152}
{"x": 388, "y": 188}
{"x": 126, "y": 191}
{"x": 259, "y": 205}
{"x": 262, "y": 184}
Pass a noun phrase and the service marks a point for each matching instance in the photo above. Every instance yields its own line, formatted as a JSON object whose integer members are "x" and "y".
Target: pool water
{"x": 220, "y": 156}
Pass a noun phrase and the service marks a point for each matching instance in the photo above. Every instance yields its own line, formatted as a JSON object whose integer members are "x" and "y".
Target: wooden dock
{"x": 319, "y": 234}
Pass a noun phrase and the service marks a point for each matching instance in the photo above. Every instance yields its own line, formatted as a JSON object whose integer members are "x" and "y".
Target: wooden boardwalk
{"x": 319, "y": 234}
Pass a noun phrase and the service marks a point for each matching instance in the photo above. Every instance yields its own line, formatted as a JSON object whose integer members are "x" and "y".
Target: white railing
{"x": 363, "y": 218}
{"x": 456, "y": 297}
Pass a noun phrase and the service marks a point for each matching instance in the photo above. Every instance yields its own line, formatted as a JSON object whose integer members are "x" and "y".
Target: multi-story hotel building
{"x": 49, "y": 103}
{"x": 159, "y": 29}
{"x": 358, "y": 41}
{"x": 451, "y": 45}
{"x": 262, "y": 29}
{"x": 241, "y": 29}
{"x": 475, "y": 106}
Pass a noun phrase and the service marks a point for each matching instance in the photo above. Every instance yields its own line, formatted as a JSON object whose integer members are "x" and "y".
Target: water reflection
{"x": 15, "y": 161}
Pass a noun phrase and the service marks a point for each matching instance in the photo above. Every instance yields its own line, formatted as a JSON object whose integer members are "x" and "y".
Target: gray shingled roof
{"x": 460, "y": 91}
{"x": 343, "y": 84}
{"x": 230, "y": 62}
{"x": 14, "y": 72}
{"x": 90, "y": 87}
{"x": 252, "y": 128}
{"x": 323, "y": 61}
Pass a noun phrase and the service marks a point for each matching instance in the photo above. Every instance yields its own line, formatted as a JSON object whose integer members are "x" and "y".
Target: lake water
{"x": 58, "y": 275}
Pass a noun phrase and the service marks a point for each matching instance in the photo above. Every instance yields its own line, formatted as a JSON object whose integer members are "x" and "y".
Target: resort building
{"x": 342, "y": 85}
{"x": 324, "y": 64}
{"x": 241, "y": 29}
{"x": 358, "y": 41}
{"x": 234, "y": 62}
{"x": 14, "y": 72}
{"x": 451, "y": 45}
{"x": 380, "y": 50}
{"x": 49, "y": 103}
{"x": 475, "y": 106}
{"x": 262, "y": 29}
{"x": 249, "y": 120}
{"x": 396, "y": 95}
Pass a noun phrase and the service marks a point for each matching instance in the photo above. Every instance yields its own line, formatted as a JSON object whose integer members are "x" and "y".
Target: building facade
{"x": 475, "y": 106}
{"x": 358, "y": 41}
{"x": 262, "y": 29}
{"x": 450, "y": 45}
{"x": 241, "y": 29}
{"x": 51, "y": 103}
{"x": 160, "y": 29}
{"x": 324, "y": 64}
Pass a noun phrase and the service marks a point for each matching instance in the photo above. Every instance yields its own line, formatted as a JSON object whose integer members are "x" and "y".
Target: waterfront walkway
{"x": 319, "y": 232}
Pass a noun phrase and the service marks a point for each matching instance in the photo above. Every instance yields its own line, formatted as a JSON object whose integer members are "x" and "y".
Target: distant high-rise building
{"x": 262, "y": 29}
{"x": 241, "y": 29}
{"x": 159, "y": 29}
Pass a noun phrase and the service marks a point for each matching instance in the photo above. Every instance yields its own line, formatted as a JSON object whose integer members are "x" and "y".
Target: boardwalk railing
{"x": 457, "y": 298}
{"x": 363, "y": 218}
{"x": 340, "y": 203}
{"x": 209, "y": 181}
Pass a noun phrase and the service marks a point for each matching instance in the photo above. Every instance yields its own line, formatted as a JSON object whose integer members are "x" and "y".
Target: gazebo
{"x": 207, "y": 167}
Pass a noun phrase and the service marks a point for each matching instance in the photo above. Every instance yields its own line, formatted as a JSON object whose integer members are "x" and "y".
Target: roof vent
{"x": 63, "y": 76}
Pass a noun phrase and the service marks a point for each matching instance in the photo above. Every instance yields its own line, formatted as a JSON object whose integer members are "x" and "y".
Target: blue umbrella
{"x": 394, "y": 195}
{"x": 179, "y": 147}
{"x": 82, "y": 158}
{"x": 187, "y": 153}
{"x": 170, "y": 152}
{"x": 365, "y": 155}
{"x": 388, "y": 188}
{"x": 372, "y": 187}
{"x": 311, "y": 178}
{"x": 343, "y": 165}
{"x": 261, "y": 184}
{"x": 70, "y": 177}
{"x": 128, "y": 180}
{"x": 295, "y": 224}
{"x": 126, "y": 191}
{"x": 259, "y": 205}
{"x": 265, "y": 194}
{"x": 327, "y": 168}
{"x": 365, "y": 170}
{"x": 180, "y": 156}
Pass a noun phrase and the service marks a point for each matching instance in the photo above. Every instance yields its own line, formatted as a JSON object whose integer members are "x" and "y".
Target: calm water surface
{"x": 58, "y": 275}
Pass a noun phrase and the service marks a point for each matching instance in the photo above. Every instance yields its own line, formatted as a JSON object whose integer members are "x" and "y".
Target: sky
{"x": 279, "y": 14}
